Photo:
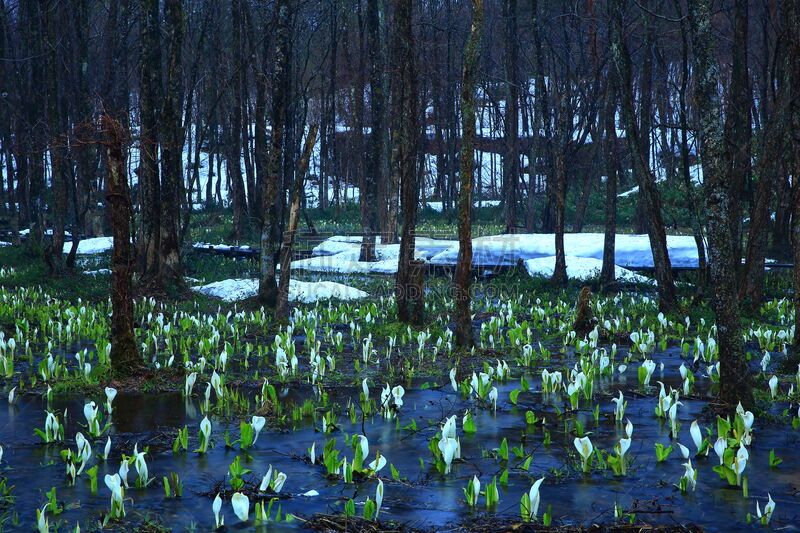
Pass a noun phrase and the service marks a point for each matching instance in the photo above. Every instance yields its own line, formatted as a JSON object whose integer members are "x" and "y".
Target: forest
{"x": 355, "y": 265}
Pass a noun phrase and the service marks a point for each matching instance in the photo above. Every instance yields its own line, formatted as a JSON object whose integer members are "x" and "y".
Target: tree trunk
{"x": 405, "y": 135}
{"x": 792, "y": 8}
{"x": 172, "y": 139}
{"x": 648, "y": 192}
{"x": 282, "y": 306}
{"x": 125, "y": 359}
{"x": 270, "y": 233}
{"x": 463, "y": 275}
{"x": 735, "y": 384}
{"x": 511, "y": 155}
{"x": 234, "y": 153}
{"x": 607, "y": 273}
{"x": 738, "y": 124}
{"x": 374, "y": 175}
{"x": 149, "y": 180}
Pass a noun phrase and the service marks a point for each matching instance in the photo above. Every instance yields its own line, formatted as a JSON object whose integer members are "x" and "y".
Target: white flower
{"x": 534, "y": 496}
{"x": 258, "y": 423}
{"x": 217, "y": 507}
{"x": 768, "y": 510}
{"x": 378, "y": 498}
{"x": 241, "y": 506}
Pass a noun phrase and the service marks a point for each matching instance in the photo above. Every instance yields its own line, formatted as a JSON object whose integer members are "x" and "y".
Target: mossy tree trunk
{"x": 125, "y": 359}
{"x": 735, "y": 382}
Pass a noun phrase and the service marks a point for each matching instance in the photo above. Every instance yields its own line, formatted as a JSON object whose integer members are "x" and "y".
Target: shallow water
{"x": 427, "y": 499}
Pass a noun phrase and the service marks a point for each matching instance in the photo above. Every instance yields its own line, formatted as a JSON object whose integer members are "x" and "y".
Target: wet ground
{"x": 424, "y": 498}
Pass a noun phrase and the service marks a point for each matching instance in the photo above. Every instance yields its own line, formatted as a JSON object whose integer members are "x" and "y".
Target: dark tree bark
{"x": 405, "y": 135}
{"x": 559, "y": 145}
{"x": 792, "y": 8}
{"x": 57, "y": 141}
{"x": 738, "y": 123}
{"x": 648, "y": 192}
{"x": 370, "y": 198}
{"x": 735, "y": 384}
{"x": 694, "y": 202}
{"x": 125, "y": 359}
{"x": 270, "y": 231}
{"x": 511, "y": 155}
{"x": 463, "y": 275}
{"x": 607, "y": 273}
{"x": 172, "y": 140}
{"x": 149, "y": 179}
{"x": 234, "y": 153}
{"x": 542, "y": 101}
{"x": 282, "y": 306}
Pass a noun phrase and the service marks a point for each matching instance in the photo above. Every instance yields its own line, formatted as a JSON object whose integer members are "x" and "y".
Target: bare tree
{"x": 298, "y": 190}
{"x": 650, "y": 197}
{"x": 735, "y": 384}
{"x": 405, "y": 135}
{"x": 463, "y": 275}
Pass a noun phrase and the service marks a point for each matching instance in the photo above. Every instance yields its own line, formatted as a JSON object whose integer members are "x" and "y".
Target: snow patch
{"x": 581, "y": 268}
{"x": 631, "y": 250}
{"x": 95, "y": 245}
{"x": 232, "y": 290}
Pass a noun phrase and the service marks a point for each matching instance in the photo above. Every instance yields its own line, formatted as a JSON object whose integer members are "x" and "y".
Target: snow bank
{"x": 4, "y": 243}
{"x": 339, "y": 254}
{"x": 424, "y": 247}
{"x": 95, "y": 245}
{"x": 232, "y": 290}
{"x": 581, "y": 268}
{"x": 631, "y": 250}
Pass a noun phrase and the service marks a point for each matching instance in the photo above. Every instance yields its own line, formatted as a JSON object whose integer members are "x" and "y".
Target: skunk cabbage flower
{"x": 690, "y": 475}
{"x": 280, "y": 479}
{"x": 773, "y": 386}
{"x": 493, "y": 397}
{"x": 684, "y": 451}
{"x": 123, "y": 473}
{"x": 216, "y": 382}
{"x": 453, "y": 382}
{"x": 189, "y": 383}
{"x": 266, "y": 480}
{"x": 241, "y": 506}
{"x": 534, "y": 496}
{"x": 111, "y": 393}
{"x": 768, "y": 510}
{"x": 448, "y": 448}
{"x": 585, "y": 449}
{"x": 258, "y": 423}
{"x": 365, "y": 389}
{"x": 697, "y": 436}
{"x": 378, "y": 498}
{"x": 397, "y": 394}
{"x": 217, "y": 507}
{"x": 378, "y": 463}
{"x": 205, "y": 434}
{"x": 619, "y": 409}
{"x": 449, "y": 428}
{"x": 719, "y": 448}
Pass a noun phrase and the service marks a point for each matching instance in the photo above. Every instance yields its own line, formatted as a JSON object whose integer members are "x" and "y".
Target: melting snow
{"x": 581, "y": 268}
{"x": 232, "y": 290}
